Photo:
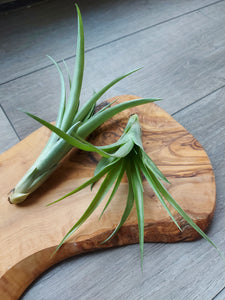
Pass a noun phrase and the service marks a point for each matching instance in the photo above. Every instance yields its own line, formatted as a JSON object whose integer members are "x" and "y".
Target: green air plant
{"x": 126, "y": 156}
{"x": 76, "y": 121}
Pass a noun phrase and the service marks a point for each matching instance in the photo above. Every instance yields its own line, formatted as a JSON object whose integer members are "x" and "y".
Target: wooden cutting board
{"x": 30, "y": 232}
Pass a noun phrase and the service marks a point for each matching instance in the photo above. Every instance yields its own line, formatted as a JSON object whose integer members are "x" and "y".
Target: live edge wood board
{"x": 30, "y": 232}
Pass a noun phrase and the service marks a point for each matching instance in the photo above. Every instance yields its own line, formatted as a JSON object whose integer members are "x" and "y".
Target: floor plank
{"x": 187, "y": 64}
{"x": 8, "y": 137}
{"x": 179, "y": 271}
{"x": 27, "y": 35}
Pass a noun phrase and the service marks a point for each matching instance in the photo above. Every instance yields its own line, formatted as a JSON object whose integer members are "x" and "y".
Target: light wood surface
{"x": 31, "y": 231}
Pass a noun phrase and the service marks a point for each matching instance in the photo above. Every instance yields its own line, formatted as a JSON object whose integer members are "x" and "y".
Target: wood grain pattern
{"x": 29, "y": 232}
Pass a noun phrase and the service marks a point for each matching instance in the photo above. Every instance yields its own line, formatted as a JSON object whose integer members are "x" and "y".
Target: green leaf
{"x": 131, "y": 135}
{"x": 74, "y": 140}
{"x": 121, "y": 171}
{"x": 92, "y": 180}
{"x": 153, "y": 182}
{"x": 152, "y": 167}
{"x": 90, "y": 114}
{"x": 53, "y": 138}
{"x": 63, "y": 94}
{"x": 113, "y": 147}
{"x": 172, "y": 202}
{"x": 97, "y": 120}
{"x": 74, "y": 96}
{"x": 104, "y": 161}
{"x": 124, "y": 149}
{"x": 104, "y": 188}
{"x": 96, "y": 96}
{"x": 139, "y": 201}
{"x": 128, "y": 207}
{"x": 134, "y": 130}
{"x": 68, "y": 73}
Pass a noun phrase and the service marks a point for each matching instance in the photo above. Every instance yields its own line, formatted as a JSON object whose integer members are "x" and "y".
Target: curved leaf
{"x": 74, "y": 96}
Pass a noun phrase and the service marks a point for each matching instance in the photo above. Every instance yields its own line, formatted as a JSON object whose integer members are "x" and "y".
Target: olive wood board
{"x": 30, "y": 232}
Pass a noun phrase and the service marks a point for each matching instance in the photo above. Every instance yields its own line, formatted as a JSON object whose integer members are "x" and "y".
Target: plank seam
{"x": 115, "y": 40}
{"x": 198, "y": 100}
{"x": 10, "y": 122}
{"x": 214, "y": 298}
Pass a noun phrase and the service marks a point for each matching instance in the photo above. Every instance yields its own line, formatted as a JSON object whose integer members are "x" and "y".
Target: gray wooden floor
{"x": 181, "y": 46}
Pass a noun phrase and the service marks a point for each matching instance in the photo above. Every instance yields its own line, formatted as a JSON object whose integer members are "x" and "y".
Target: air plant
{"x": 72, "y": 119}
{"x": 126, "y": 156}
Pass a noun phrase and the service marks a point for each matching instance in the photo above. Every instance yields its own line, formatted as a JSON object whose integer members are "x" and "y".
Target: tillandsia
{"x": 126, "y": 156}
{"x": 72, "y": 119}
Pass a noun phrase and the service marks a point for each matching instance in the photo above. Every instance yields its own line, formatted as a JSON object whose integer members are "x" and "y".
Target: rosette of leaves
{"x": 126, "y": 157}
